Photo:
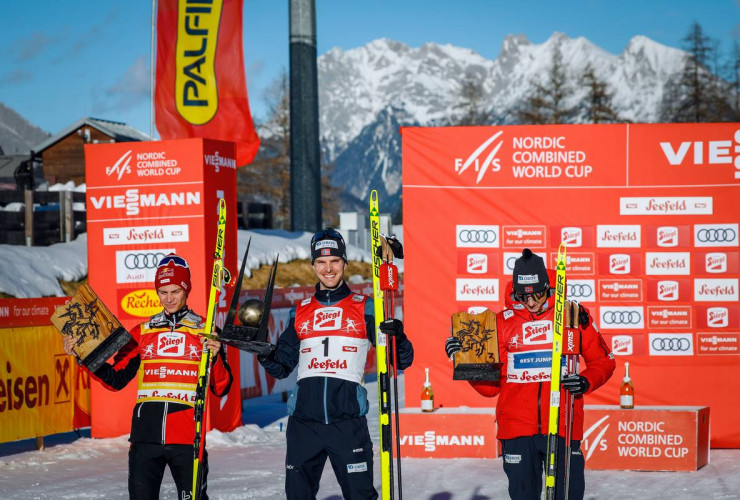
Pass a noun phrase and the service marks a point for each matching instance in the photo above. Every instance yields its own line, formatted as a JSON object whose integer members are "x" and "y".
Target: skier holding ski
{"x": 327, "y": 408}
{"x": 164, "y": 356}
{"x": 525, "y": 330}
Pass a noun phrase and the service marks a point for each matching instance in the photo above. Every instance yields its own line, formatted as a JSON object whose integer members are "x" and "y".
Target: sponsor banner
{"x": 176, "y": 233}
{"x": 508, "y": 262}
{"x": 621, "y": 317}
{"x": 667, "y": 263}
{"x": 581, "y": 290}
{"x": 475, "y": 290}
{"x": 37, "y": 384}
{"x": 720, "y": 290}
{"x": 477, "y": 236}
{"x": 575, "y": 262}
{"x": 670, "y": 290}
{"x": 671, "y": 344}
{"x": 137, "y": 303}
{"x": 619, "y": 263}
{"x": 626, "y": 345}
{"x": 718, "y": 343}
{"x": 139, "y": 266}
{"x": 670, "y": 439}
{"x": 668, "y": 236}
{"x": 572, "y": 237}
{"x": 620, "y": 290}
{"x": 524, "y": 236}
{"x": 669, "y": 317}
{"x": 448, "y": 433}
{"x": 477, "y": 263}
{"x": 144, "y": 202}
{"x": 618, "y": 236}
{"x": 716, "y": 235}
{"x": 672, "y": 205}
{"x": 716, "y": 262}
{"x": 28, "y": 312}
{"x": 727, "y": 316}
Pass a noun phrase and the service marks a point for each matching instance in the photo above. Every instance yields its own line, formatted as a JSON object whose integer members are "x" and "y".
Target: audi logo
{"x": 715, "y": 235}
{"x": 576, "y": 290}
{"x": 477, "y": 236}
{"x": 622, "y": 317}
{"x": 142, "y": 260}
{"x": 671, "y": 344}
{"x": 510, "y": 263}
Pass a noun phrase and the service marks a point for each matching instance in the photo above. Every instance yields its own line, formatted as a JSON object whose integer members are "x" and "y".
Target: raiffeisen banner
{"x": 651, "y": 218}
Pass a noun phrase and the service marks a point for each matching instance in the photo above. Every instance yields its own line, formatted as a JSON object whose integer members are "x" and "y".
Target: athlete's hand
{"x": 69, "y": 343}
{"x": 575, "y": 384}
{"x": 213, "y": 345}
{"x": 452, "y": 345}
{"x": 393, "y": 327}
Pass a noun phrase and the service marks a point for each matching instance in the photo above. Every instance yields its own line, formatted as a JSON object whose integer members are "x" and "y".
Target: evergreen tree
{"x": 547, "y": 104}
{"x": 472, "y": 104}
{"x": 598, "y": 102}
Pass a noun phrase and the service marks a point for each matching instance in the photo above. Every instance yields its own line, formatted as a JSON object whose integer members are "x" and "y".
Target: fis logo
{"x": 121, "y": 166}
{"x": 489, "y": 148}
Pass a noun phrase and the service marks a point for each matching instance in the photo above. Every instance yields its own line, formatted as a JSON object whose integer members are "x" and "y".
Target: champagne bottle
{"x": 627, "y": 391}
{"x": 427, "y": 394}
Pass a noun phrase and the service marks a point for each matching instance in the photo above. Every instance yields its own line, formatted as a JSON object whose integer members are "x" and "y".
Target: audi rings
{"x": 477, "y": 236}
{"x": 510, "y": 263}
{"x": 579, "y": 290}
{"x": 675, "y": 344}
{"x": 622, "y": 318}
{"x": 717, "y": 235}
{"x": 143, "y": 260}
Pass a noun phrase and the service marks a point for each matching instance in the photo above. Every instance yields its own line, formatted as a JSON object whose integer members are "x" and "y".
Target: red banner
{"x": 651, "y": 217}
{"x": 201, "y": 88}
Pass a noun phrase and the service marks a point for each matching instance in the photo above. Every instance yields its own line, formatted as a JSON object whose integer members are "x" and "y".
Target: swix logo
{"x": 537, "y": 332}
{"x": 572, "y": 236}
{"x": 660, "y": 263}
{"x": 622, "y": 345}
{"x": 618, "y": 236}
{"x": 327, "y": 318}
{"x": 133, "y": 201}
{"x": 716, "y": 262}
{"x": 668, "y": 290}
{"x": 708, "y": 290}
{"x": 121, "y": 166}
{"x": 704, "y": 153}
{"x": 171, "y": 344}
{"x": 619, "y": 263}
{"x": 327, "y": 364}
{"x": 667, "y": 236}
{"x": 717, "y": 317}
{"x": 474, "y": 159}
{"x": 477, "y": 263}
{"x": 430, "y": 440}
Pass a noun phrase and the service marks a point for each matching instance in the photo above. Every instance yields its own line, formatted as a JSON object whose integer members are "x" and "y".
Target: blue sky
{"x": 64, "y": 60}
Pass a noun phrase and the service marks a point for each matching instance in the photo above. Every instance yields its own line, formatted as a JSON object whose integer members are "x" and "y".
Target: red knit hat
{"x": 172, "y": 270}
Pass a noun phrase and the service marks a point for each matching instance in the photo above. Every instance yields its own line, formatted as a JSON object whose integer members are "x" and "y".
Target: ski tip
{"x": 373, "y": 195}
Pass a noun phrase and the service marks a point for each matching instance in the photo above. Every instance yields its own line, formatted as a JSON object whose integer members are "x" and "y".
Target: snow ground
{"x": 248, "y": 463}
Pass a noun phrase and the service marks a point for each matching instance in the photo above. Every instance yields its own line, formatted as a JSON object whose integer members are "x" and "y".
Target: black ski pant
{"x": 525, "y": 459}
{"x": 348, "y": 446}
{"x": 146, "y": 464}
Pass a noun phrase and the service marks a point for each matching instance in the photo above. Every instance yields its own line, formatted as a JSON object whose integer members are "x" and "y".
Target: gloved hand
{"x": 394, "y": 328}
{"x": 452, "y": 346}
{"x": 575, "y": 384}
{"x": 582, "y": 315}
{"x": 395, "y": 246}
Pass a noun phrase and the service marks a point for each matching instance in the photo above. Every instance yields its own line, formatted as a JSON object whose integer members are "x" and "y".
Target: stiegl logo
{"x": 474, "y": 159}
{"x": 477, "y": 263}
{"x": 430, "y": 440}
{"x": 668, "y": 290}
{"x": 622, "y": 345}
{"x": 716, "y": 262}
{"x": 572, "y": 236}
{"x": 327, "y": 318}
{"x": 619, "y": 263}
{"x": 667, "y": 236}
{"x": 717, "y": 317}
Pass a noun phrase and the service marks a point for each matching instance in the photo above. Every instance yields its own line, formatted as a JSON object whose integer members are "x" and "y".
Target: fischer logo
{"x": 618, "y": 236}
{"x": 718, "y": 317}
{"x": 667, "y": 290}
{"x": 716, "y": 235}
{"x": 716, "y": 262}
{"x": 622, "y": 345}
{"x": 619, "y": 263}
{"x": 145, "y": 234}
{"x": 489, "y": 162}
{"x": 430, "y": 440}
{"x": 477, "y": 263}
{"x": 171, "y": 344}
{"x": 476, "y": 289}
{"x": 133, "y": 201}
{"x": 707, "y": 290}
{"x": 666, "y": 206}
{"x": 667, "y": 236}
{"x": 537, "y": 332}
{"x": 572, "y": 236}
{"x": 477, "y": 236}
{"x": 327, "y": 318}
{"x": 122, "y": 166}
{"x": 667, "y": 263}
{"x": 327, "y": 364}
{"x": 704, "y": 152}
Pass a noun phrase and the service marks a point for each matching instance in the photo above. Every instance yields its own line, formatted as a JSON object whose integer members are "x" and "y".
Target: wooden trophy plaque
{"x": 478, "y": 359}
{"x": 99, "y": 334}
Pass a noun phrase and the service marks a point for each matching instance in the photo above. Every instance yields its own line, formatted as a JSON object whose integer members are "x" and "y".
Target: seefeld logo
{"x": 133, "y": 201}
{"x": 625, "y": 236}
{"x": 619, "y": 263}
{"x": 141, "y": 303}
{"x": 667, "y": 263}
{"x": 477, "y": 263}
{"x": 622, "y": 345}
{"x": 708, "y": 290}
{"x": 489, "y": 162}
{"x": 667, "y": 236}
{"x": 667, "y": 290}
{"x": 327, "y": 318}
{"x": 537, "y": 332}
{"x": 476, "y": 289}
{"x": 704, "y": 152}
{"x": 327, "y": 364}
{"x": 717, "y": 317}
{"x": 572, "y": 236}
{"x": 716, "y": 262}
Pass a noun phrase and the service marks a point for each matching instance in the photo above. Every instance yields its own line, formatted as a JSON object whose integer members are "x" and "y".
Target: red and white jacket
{"x": 525, "y": 349}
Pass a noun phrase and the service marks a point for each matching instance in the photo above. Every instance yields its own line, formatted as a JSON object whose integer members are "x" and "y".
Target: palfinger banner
{"x": 201, "y": 88}
{"x": 650, "y": 215}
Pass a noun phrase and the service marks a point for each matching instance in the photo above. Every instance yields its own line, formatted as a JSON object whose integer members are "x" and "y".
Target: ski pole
{"x": 571, "y": 351}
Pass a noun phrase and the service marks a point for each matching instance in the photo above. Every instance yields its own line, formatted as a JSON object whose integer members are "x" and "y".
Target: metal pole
{"x": 305, "y": 167}
{"x": 28, "y": 198}
{"x": 69, "y": 217}
{"x": 152, "y": 62}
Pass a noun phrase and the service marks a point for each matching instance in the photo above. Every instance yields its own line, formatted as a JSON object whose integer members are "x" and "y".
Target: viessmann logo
{"x": 133, "y": 200}
{"x": 430, "y": 440}
{"x": 482, "y": 159}
{"x": 704, "y": 153}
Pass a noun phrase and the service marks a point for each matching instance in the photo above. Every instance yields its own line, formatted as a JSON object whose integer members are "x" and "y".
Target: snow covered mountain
{"x": 366, "y": 93}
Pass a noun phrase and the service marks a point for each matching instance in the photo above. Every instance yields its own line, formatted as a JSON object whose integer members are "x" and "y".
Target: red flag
{"x": 201, "y": 88}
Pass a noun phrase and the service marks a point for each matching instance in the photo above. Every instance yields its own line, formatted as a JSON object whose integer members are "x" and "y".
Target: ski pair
{"x": 566, "y": 344}
{"x": 385, "y": 283}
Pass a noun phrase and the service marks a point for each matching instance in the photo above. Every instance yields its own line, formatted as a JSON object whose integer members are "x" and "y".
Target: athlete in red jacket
{"x": 525, "y": 330}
